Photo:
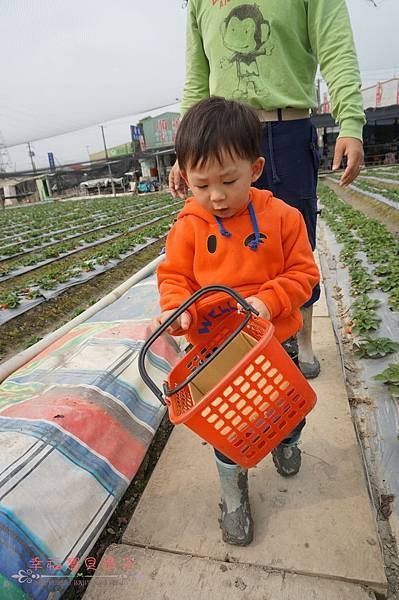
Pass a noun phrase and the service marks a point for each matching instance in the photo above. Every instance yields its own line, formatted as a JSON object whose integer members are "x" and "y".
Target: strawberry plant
{"x": 369, "y": 347}
{"x": 390, "y": 377}
{"x": 364, "y": 321}
{"x": 365, "y": 303}
{"x": 10, "y": 300}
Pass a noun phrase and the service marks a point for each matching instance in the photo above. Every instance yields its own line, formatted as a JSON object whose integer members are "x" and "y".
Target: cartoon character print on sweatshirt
{"x": 245, "y": 32}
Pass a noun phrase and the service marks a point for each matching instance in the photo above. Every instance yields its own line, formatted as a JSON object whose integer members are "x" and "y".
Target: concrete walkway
{"x": 315, "y": 534}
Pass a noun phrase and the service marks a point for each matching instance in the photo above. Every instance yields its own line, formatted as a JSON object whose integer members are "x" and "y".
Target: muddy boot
{"x": 287, "y": 459}
{"x": 308, "y": 363}
{"x": 236, "y": 520}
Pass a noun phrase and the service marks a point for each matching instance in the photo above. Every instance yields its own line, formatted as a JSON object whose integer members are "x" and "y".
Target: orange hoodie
{"x": 202, "y": 250}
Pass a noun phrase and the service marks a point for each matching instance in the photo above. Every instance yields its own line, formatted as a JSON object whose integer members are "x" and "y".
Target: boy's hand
{"x": 182, "y": 322}
{"x": 258, "y": 305}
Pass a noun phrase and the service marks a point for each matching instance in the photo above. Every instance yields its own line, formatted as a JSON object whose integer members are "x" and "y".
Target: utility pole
{"x": 106, "y": 157}
{"x": 5, "y": 161}
{"x": 31, "y": 155}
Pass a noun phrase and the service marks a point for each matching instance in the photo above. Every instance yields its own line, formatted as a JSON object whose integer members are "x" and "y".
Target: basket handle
{"x": 198, "y": 294}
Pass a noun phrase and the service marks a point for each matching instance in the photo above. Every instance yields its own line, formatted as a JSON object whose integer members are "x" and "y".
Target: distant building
{"x": 121, "y": 150}
{"x": 24, "y": 189}
{"x": 158, "y": 139}
{"x": 381, "y": 132}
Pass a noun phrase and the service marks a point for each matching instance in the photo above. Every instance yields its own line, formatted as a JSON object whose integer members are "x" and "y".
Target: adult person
{"x": 266, "y": 55}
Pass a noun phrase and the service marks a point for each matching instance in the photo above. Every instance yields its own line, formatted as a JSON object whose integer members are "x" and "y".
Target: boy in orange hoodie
{"x": 232, "y": 234}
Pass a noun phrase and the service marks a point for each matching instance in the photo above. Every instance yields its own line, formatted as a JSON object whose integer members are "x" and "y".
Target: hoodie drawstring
{"x": 275, "y": 177}
{"x": 222, "y": 230}
{"x": 253, "y": 244}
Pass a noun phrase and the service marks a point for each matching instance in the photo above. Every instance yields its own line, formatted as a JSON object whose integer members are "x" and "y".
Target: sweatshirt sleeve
{"x": 197, "y": 67}
{"x": 175, "y": 274}
{"x": 292, "y": 288}
{"x": 331, "y": 39}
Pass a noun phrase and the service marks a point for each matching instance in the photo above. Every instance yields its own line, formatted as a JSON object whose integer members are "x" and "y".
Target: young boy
{"x": 232, "y": 234}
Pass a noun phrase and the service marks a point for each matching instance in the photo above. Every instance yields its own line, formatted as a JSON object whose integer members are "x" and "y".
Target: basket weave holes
{"x": 230, "y": 414}
{"x": 219, "y": 424}
{"x": 227, "y": 391}
{"x": 241, "y": 404}
{"x": 273, "y": 396}
{"x": 217, "y": 401}
{"x": 245, "y": 387}
{"x": 255, "y": 376}
{"x": 254, "y": 416}
{"x": 236, "y": 420}
{"x": 224, "y": 407}
{"x": 268, "y": 389}
{"x": 284, "y": 385}
{"x": 247, "y": 410}
{"x": 261, "y": 384}
{"x": 206, "y": 411}
{"x": 263, "y": 406}
{"x": 249, "y": 370}
{"x": 272, "y": 372}
{"x": 239, "y": 380}
{"x": 278, "y": 379}
{"x": 212, "y": 418}
{"x": 260, "y": 359}
{"x": 258, "y": 399}
{"x": 234, "y": 398}
{"x": 266, "y": 365}
{"x": 242, "y": 427}
{"x": 225, "y": 430}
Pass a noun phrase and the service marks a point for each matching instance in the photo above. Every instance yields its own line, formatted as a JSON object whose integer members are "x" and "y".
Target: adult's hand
{"x": 352, "y": 148}
{"x": 177, "y": 185}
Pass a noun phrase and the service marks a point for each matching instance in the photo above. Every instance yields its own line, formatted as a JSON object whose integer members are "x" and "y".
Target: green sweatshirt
{"x": 266, "y": 53}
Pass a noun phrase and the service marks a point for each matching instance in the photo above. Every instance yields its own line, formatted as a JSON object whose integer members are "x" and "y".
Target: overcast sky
{"x": 75, "y": 64}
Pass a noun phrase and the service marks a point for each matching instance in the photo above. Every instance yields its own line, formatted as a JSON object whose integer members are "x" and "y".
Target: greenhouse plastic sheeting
{"x": 75, "y": 424}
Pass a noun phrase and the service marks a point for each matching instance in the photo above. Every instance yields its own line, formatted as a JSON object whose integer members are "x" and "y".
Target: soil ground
{"x": 372, "y": 208}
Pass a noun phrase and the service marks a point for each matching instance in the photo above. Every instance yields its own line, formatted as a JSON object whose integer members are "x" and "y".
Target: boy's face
{"x": 223, "y": 188}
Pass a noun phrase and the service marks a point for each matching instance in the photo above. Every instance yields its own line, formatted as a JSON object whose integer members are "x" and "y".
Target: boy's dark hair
{"x": 213, "y": 126}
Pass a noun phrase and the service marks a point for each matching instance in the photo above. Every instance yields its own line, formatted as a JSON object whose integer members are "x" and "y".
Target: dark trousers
{"x": 291, "y": 347}
{"x": 292, "y": 157}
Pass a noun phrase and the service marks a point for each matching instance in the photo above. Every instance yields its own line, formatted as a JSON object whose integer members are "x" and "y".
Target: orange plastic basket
{"x": 256, "y": 403}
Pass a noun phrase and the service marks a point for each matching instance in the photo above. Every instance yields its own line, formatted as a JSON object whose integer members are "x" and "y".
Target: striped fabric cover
{"x": 75, "y": 424}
